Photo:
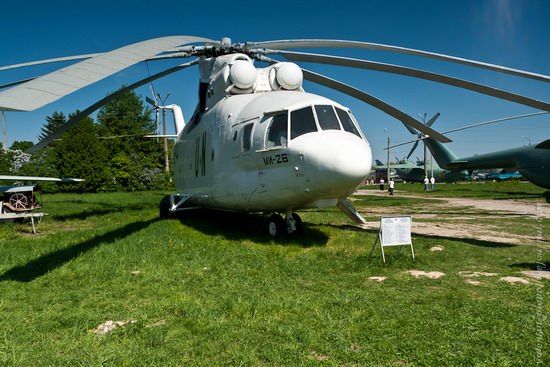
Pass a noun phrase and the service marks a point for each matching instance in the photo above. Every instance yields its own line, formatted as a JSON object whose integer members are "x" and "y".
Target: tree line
{"x": 111, "y": 153}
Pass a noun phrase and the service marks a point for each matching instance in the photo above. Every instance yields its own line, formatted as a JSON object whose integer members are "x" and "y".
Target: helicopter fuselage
{"x": 268, "y": 152}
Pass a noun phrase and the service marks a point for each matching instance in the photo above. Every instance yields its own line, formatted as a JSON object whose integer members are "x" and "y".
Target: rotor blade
{"x": 375, "y": 102}
{"x": 411, "y": 130}
{"x": 81, "y": 115}
{"x": 475, "y": 125}
{"x": 412, "y": 150}
{"x": 33, "y": 178}
{"x": 432, "y": 120}
{"x": 16, "y": 83}
{"x": 323, "y": 43}
{"x": 151, "y": 102}
{"x": 51, "y": 87}
{"x": 49, "y": 61}
{"x": 421, "y": 74}
{"x": 494, "y": 121}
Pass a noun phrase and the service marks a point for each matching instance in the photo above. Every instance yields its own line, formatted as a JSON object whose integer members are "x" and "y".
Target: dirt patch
{"x": 110, "y": 325}
{"x": 471, "y": 274}
{"x": 440, "y": 223}
{"x": 431, "y": 274}
{"x": 518, "y": 207}
{"x": 515, "y": 280}
{"x": 378, "y": 279}
{"x": 537, "y": 274}
{"x": 437, "y": 248}
{"x": 473, "y": 282}
{"x": 459, "y": 230}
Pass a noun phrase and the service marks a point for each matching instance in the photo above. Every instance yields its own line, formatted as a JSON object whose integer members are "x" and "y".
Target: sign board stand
{"x": 394, "y": 231}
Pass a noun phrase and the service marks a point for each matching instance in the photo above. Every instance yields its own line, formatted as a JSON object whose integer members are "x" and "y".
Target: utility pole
{"x": 388, "y": 160}
{"x": 166, "y": 159}
{"x": 423, "y": 117}
{"x": 5, "y": 145}
{"x": 165, "y": 139}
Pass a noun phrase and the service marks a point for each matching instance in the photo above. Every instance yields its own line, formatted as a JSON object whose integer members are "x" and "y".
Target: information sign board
{"x": 394, "y": 231}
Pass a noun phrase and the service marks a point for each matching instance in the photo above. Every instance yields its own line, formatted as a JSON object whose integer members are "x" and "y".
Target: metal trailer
{"x": 17, "y": 204}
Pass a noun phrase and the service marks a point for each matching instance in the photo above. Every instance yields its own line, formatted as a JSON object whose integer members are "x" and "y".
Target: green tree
{"x": 136, "y": 162}
{"x": 43, "y": 164}
{"x": 5, "y": 164}
{"x": 53, "y": 122}
{"x": 80, "y": 154}
{"x": 21, "y": 145}
{"x": 123, "y": 122}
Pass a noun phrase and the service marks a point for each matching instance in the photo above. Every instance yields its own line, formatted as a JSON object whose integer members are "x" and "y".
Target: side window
{"x": 347, "y": 122}
{"x": 277, "y": 133}
{"x": 246, "y": 139}
{"x": 326, "y": 117}
{"x": 302, "y": 122}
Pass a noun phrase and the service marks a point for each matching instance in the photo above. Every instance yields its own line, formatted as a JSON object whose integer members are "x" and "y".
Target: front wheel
{"x": 276, "y": 225}
{"x": 164, "y": 209}
{"x": 298, "y": 225}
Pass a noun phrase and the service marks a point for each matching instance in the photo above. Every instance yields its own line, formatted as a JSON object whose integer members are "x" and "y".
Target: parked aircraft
{"x": 414, "y": 172}
{"x": 531, "y": 161}
{"x": 257, "y": 142}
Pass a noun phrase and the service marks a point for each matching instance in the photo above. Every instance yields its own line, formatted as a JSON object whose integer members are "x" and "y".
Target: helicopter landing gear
{"x": 292, "y": 224}
{"x": 276, "y": 225}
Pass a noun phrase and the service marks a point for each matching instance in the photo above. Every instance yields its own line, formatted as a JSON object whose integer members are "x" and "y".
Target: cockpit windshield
{"x": 302, "y": 122}
{"x": 327, "y": 118}
{"x": 347, "y": 122}
{"x": 308, "y": 120}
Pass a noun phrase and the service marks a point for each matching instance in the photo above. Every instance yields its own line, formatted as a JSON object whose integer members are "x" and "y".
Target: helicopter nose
{"x": 337, "y": 163}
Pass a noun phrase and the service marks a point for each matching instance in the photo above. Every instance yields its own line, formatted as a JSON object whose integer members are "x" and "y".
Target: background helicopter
{"x": 531, "y": 161}
{"x": 257, "y": 142}
{"x": 415, "y": 172}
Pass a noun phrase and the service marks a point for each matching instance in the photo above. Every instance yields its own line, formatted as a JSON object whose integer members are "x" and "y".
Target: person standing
{"x": 426, "y": 181}
{"x": 432, "y": 182}
{"x": 392, "y": 185}
{"x": 381, "y": 184}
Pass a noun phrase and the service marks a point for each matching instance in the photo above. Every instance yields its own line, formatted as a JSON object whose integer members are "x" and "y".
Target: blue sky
{"x": 507, "y": 32}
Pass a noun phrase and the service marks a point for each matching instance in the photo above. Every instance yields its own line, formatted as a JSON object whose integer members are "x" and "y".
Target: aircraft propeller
{"x": 421, "y": 135}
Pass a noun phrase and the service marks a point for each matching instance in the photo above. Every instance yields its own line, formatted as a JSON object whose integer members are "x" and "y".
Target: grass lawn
{"x": 212, "y": 289}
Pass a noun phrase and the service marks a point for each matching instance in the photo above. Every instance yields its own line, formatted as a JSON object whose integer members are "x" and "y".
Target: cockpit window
{"x": 246, "y": 142}
{"x": 302, "y": 122}
{"x": 277, "y": 134}
{"x": 347, "y": 122}
{"x": 326, "y": 117}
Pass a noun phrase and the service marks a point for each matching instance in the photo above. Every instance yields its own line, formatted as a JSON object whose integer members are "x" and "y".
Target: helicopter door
{"x": 246, "y": 142}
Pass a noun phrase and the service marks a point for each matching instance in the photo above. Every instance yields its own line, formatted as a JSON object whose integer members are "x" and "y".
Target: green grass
{"x": 512, "y": 189}
{"x": 211, "y": 289}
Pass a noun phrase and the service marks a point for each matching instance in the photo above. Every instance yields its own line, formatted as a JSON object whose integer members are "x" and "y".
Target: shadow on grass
{"x": 99, "y": 210}
{"x": 543, "y": 265}
{"x": 53, "y": 260}
{"x": 243, "y": 226}
{"x": 470, "y": 241}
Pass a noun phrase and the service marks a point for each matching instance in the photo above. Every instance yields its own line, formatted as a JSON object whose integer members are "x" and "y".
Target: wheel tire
{"x": 276, "y": 225}
{"x": 164, "y": 209}
{"x": 298, "y": 223}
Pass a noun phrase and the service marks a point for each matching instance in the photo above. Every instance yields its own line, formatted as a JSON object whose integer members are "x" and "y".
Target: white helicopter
{"x": 257, "y": 142}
